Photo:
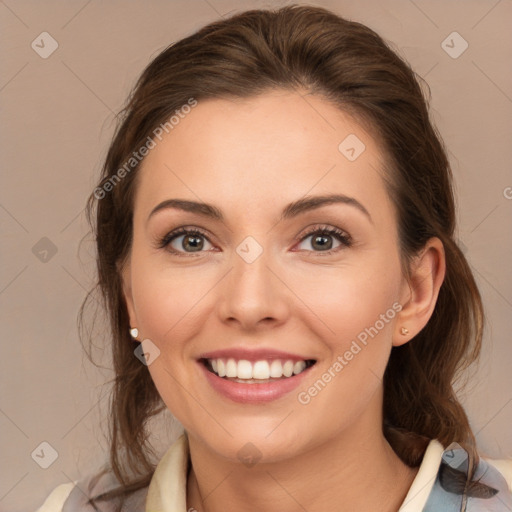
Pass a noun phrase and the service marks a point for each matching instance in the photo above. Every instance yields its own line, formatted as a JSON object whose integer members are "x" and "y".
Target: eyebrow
{"x": 292, "y": 210}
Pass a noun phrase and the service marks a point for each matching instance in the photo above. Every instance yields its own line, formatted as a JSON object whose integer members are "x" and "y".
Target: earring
{"x": 404, "y": 331}
{"x": 134, "y": 332}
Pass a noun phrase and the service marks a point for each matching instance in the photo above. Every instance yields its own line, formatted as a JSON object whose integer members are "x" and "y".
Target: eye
{"x": 185, "y": 241}
{"x": 322, "y": 239}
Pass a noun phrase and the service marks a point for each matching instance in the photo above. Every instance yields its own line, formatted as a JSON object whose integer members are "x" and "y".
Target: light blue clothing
{"x": 488, "y": 491}
{"x": 434, "y": 488}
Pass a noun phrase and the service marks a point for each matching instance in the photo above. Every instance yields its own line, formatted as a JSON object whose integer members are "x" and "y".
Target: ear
{"x": 125, "y": 273}
{"x": 420, "y": 291}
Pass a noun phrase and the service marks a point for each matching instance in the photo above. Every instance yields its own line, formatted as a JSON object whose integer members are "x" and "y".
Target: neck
{"x": 357, "y": 470}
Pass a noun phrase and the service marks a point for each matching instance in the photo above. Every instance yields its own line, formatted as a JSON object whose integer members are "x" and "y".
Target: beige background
{"x": 57, "y": 120}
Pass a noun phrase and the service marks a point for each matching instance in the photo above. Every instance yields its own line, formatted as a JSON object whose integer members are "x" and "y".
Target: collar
{"x": 425, "y": 478}
{"x": 168, "y": 488}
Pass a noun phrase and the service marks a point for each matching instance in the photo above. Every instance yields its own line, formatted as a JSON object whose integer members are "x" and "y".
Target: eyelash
{"x": 342, "y": 236}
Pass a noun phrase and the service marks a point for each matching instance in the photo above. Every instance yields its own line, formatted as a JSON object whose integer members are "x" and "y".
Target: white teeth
{"x": 288, "y": 369}
{"x": 221, "y": 368}
{"x": 244, "y": 369}
{"x": 231, "y": 368}
{"x": 276, "y": 369}
{"x": 259, "y": 370}
{"x": 299, "y": 367}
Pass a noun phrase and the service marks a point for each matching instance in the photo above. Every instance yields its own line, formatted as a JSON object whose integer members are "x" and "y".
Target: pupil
{"x": 324, "y": 244}
{"x": 195, "y": 242}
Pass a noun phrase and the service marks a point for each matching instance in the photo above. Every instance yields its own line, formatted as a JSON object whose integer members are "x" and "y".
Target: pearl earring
{"x": 404, "y": 331}
{"x": 134, "y": 332}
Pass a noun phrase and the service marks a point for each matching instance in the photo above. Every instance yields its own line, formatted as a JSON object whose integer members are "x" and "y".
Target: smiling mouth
{"x": 256, "y": 372}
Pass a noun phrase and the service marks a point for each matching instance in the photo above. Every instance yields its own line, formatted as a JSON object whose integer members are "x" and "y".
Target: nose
{"x": 254, "y": 295}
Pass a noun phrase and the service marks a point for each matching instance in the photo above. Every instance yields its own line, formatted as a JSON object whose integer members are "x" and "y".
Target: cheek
{"x": 348, "y": 301}
{"x": 168, "y": 301}
{"x": 357, "y": 307}
{"x": 360, "y": 315}
{"x": 168, "y": 306}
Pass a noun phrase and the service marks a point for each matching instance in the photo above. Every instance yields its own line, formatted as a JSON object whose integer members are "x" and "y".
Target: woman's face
{"x": 279, "y": 281}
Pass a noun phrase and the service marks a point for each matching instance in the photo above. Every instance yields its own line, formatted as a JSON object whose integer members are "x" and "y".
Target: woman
{"x": 275, "y": 231}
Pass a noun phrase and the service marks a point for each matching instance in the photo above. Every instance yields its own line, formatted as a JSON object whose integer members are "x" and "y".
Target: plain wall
{"x": 57, "y": 118}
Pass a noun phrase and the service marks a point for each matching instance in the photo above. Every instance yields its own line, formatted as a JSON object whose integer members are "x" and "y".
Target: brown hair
{"x": 306, "y": 48}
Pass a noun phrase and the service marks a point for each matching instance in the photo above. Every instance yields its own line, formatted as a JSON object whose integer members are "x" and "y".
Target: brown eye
{"x": 186, "y": 241}
{"x": 192, "y": 243}
{"x": 323, "y": 240}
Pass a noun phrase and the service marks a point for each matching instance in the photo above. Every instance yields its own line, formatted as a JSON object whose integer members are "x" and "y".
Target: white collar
{"x": 422, "y": 484}
{"x": 168, "y": 488}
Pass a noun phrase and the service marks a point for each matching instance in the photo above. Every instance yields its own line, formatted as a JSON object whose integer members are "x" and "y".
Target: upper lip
{"x": 259, "y": 354}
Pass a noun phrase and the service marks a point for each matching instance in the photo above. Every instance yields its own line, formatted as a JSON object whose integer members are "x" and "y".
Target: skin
{"x": 250, "y": 158}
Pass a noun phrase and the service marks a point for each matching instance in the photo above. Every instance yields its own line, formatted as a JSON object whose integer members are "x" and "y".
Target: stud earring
{"x": 134, "y": 332}
{"x": 404, "y": 331}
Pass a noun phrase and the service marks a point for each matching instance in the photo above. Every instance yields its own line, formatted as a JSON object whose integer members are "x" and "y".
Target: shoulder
{"x": 503, "y": 466}
{"x": 77, "y": 493}
{"x": 55, "y": 501}
{"x": 169, "y": 479}
{"x": 440, "y": 481}
{"x": 76, "y": 496}
{"x": 490, "y": 488}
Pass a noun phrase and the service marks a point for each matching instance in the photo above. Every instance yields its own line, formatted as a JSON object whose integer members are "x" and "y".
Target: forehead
{"x": 262, "y": 151}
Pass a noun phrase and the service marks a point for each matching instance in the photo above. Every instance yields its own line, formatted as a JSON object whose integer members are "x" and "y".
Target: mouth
{"x": 261, "y": 371}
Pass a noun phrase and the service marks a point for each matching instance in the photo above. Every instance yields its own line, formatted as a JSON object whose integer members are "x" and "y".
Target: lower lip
{"x": 253, "y": 393}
